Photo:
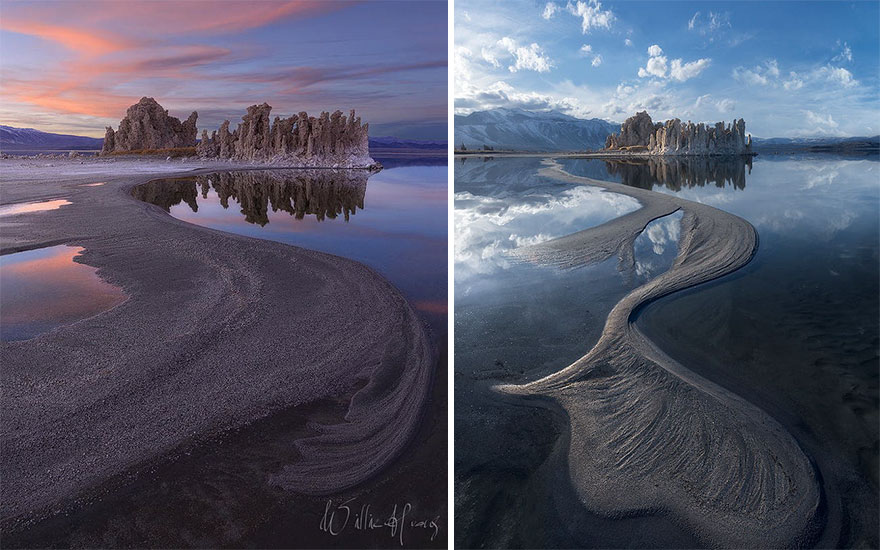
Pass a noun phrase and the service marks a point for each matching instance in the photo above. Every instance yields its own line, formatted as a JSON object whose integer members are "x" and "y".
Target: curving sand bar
{"x": 218, "y": 330}
{"x": 649, "y": 436}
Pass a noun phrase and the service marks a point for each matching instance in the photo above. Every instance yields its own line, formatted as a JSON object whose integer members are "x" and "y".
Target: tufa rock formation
{"x": 148, "y": 126}
{"x": 326, "y": 141}
{"x": 640, "y": 135}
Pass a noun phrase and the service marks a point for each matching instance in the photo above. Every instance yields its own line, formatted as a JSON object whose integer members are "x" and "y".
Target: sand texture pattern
{"x": 649, "y": 436}
{"x": 218, "y": 330}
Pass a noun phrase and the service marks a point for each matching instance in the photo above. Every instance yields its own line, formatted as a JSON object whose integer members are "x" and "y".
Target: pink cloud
{"x": 81, "y": 41}
{"x": 114, "y": 43}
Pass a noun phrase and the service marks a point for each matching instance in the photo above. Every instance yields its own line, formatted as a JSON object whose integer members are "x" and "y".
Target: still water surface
{"x": 796, "y": 331}
{"x": 45, "y": 288}
{"x": 393, "y": 221}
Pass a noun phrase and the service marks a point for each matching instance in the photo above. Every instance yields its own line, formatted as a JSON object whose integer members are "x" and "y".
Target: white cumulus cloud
{"x": 489, "y": 57}
{"x": 549, "y": 10}
{"x": 749, "y": 76}
{"x": 656, "y": 67}
{"x": 592, "y": 15}
{"x": 530, "y": 58}
{"x": 838, "y": 75}
{"x": 679, "y": 70}
{"x": 793, "y": 82}
{"x": 502, "y": 94}
{"x": 759, "y": 75}
{"x": 597, "y": 61}
{"x": 768, "y": 74}
{"x": 586, "y": 48}
{"x": 820, "y": 120}
{"x": 726, "y": 105}
{"x": 684, "y": 71}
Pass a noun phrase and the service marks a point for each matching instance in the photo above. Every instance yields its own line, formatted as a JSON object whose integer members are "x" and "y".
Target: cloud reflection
{"x": 488, "y": 227}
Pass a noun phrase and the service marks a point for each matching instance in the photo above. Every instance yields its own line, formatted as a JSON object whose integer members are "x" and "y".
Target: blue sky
{"x": 76, "y": 69}
{"x": 788, "y": 68}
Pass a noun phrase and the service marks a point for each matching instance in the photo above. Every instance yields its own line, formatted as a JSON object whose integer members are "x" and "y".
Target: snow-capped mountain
{"x": 390, "y": 142}
{"x": 521, "y": 130}
{"x": 859, "y": 144}
{"x": 12, "y": 139}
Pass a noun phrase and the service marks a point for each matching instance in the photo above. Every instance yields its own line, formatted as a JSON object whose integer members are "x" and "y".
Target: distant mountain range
{"x": 521, "y": 130}
{"x": 844, "y": 145}
{"x": 500, "y": 129}
{"x": 27, "y": 139}
{"x": 396, "y": 143}
{"x": 19, "y": 139}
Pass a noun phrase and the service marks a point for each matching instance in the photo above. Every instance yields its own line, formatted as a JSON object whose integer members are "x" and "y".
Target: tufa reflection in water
{"x": 673, "y": 173}
{"x": 320, "y": 193}
{"x": 676, "y": 173}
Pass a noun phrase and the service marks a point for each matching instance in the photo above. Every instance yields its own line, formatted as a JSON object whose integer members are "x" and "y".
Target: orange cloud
{"x": 66, "y": 94}
{"x": 84, "y": 26}
{"x": 83, "y": 104}
{"x": 81, "y": 41}
{"x": 116, "y": 43}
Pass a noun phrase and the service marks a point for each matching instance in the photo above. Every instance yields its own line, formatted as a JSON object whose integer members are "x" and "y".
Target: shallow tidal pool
{"x": 45, "y": 288}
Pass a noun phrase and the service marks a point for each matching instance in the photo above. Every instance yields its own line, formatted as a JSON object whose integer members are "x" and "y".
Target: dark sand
{"x": 219, "y": 332}
{"x": 650, "y": 436}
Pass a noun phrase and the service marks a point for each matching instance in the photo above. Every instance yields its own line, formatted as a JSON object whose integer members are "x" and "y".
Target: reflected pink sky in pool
{"x": 13, "y": 209}
{"x": 44, "y": 288}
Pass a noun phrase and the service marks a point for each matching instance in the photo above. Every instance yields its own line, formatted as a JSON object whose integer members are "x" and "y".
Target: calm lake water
{"x": 45, "y": 288}
{"x": 795, "y": 332}
{"x": 393, "y": 221}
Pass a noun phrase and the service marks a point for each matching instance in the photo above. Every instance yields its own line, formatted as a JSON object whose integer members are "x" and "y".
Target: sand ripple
{"x": 219, "y": 330}
{"x": 650, "y": 436}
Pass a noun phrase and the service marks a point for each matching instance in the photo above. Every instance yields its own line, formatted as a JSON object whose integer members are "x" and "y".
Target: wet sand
{"x": 649, "y": 436}
{"x": 218, "y": 331}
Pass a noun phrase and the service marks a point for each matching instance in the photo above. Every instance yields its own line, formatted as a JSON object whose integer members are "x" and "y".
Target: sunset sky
{"x": 75, "y": 66}
{"x": 790, "y": 68}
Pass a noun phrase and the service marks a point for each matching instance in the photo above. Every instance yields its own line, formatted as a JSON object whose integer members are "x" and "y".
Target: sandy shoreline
{"x": 218, "y": 330}
{"x": 648, "y": 435}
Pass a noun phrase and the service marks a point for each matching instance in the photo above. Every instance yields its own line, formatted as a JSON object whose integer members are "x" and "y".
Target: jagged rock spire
{"x": 148, "y": 126}
{"x": 327, "y": 139}
{"x": 639, "y": 134}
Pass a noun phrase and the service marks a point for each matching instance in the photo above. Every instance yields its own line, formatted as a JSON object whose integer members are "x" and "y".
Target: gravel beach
{"x": 218, "y": 331}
